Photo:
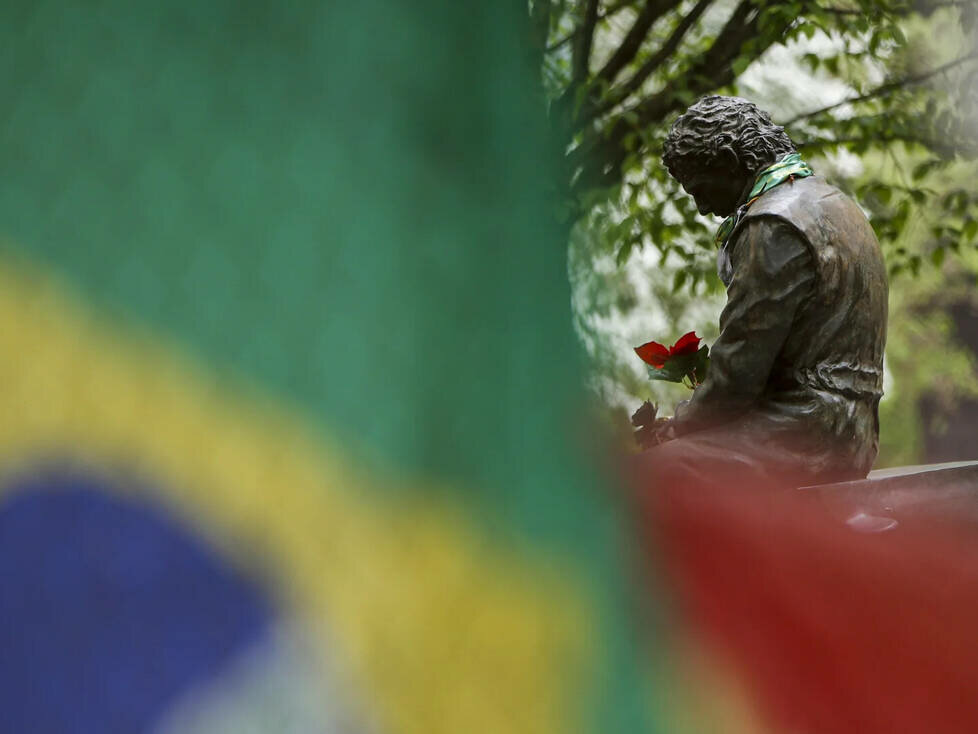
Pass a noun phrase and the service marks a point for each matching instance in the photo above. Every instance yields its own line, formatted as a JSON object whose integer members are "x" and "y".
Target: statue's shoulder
{"x": 798, "y": 197}
{"x": 805, "y": 203}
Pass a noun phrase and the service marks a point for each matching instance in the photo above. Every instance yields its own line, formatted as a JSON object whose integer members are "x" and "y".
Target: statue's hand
{"x": 651, "y": 430}
{"x": 666, "y": 430}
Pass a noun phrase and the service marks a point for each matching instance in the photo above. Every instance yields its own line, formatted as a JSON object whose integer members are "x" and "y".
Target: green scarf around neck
{"x": 789, "y": 167}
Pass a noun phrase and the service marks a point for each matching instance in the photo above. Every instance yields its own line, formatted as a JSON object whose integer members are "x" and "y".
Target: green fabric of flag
{"x": 339, "y": 208}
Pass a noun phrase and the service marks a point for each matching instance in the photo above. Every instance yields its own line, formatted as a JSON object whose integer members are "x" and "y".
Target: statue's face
{"x": 716, "y": 191}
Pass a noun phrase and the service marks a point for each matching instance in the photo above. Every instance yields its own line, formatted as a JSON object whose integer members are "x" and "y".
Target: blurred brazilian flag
{"x": 290, "y": 423}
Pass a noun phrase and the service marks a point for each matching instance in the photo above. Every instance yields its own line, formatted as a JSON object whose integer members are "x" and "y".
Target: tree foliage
{"x": 616, "y": 72}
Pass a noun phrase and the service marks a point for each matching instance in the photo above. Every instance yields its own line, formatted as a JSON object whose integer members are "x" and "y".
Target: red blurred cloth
{"x": 833, "y": 630}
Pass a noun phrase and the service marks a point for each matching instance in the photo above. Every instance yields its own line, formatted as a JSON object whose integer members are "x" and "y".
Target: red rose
{"x": 685, "y": 361}
{"x": 657, "y": 355}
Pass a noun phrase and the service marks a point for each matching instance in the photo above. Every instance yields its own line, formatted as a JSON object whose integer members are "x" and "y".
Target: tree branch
{"x": 582, "y": 47}
{"x": 626, "y": 51}
{"x": 623, "y": 91}
{"x": 539, "y": 29}
{"x": 885, "y": 89}
{"x": 540, "y": 22}
{"x": 928, "y": 7}
{"x": 611, "y": 10}
{"x": 841, "y": 11}
{"x": 932, "y": 144}
{"x": 924, "y": 7}
{"x": 712, "y": 71}
{"x": 562, "y": 110}
{"x": 715, "y": 64}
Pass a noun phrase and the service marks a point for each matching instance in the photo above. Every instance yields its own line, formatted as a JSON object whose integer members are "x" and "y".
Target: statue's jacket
{"x": 796, "y": 374}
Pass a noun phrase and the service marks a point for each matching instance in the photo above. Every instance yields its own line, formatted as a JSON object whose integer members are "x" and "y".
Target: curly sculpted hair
{"x": 714, "y": 123}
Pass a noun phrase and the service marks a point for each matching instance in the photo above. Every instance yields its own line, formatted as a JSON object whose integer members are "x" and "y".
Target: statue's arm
{"x": 773, "y": 274}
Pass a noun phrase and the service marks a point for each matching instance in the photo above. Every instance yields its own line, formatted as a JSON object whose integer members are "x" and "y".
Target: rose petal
{"x": 687, "y": 344}
{"x": 653, "y": 353}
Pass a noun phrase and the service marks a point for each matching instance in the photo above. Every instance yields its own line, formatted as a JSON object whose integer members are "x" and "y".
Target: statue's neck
{"x": 752, "y": 179}
{"x": 745, "y": 194}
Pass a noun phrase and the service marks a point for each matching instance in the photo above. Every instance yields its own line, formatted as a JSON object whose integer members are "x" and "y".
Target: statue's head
{"x": 718, "y": 146}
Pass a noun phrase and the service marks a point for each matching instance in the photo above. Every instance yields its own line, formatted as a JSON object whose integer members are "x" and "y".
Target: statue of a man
{"x": 796, "y": 374}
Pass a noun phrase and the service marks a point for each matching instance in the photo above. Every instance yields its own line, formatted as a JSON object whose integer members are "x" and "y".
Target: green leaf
{"x": 740, "y": 65}
{"x": 914, "y": 264}
{"x": 922, "y": 169}
{"x": 669, "y": 372}
{"x": 683, "y": 366}
{"x": 624, "y": 252}
{"x": 679, "y": 280}
{"x": 701, "y": 365}
{"x": 970, "y": 228}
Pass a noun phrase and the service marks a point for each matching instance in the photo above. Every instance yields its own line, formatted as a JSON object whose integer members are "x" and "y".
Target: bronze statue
{"x": 796, "y": 374}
